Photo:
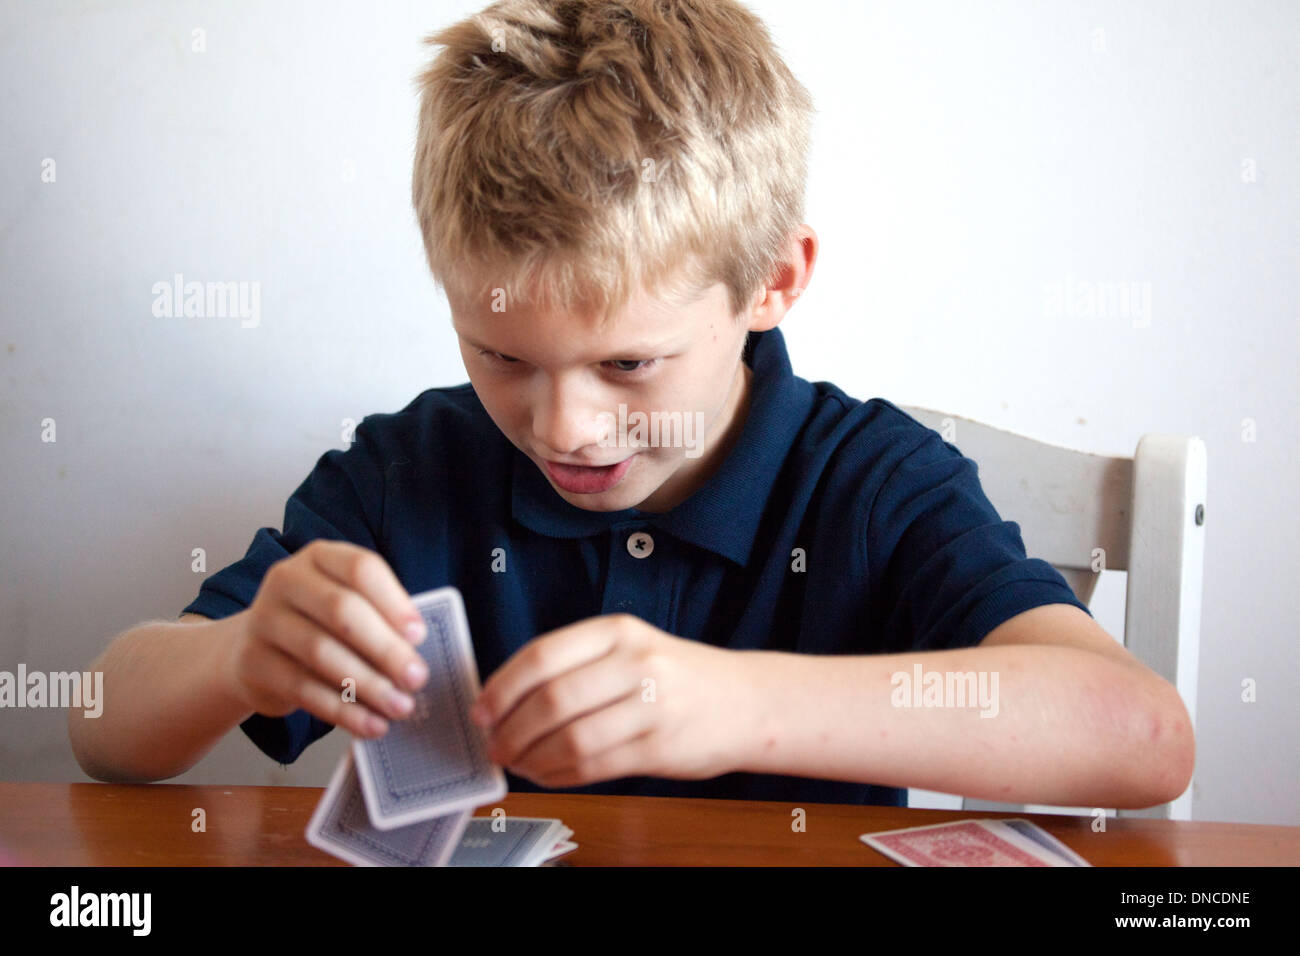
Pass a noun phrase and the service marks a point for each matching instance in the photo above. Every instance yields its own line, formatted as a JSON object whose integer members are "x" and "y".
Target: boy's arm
{"x": 167, "y": 701}
{"x": 1079, "y": 720}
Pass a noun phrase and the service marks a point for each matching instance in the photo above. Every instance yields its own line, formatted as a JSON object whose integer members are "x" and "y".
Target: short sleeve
{"x": 342, "y": 499}
{"x": 944, "y": 568}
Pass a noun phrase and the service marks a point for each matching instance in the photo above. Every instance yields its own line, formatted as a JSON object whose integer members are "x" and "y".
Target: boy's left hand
{"x": 613, "y": 696}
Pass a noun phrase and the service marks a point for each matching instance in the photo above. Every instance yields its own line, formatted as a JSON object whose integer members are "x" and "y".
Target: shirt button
{"x": 640, "y": 545}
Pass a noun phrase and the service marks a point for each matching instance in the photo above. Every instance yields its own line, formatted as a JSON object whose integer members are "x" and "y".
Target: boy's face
{"x": 553, "y": 383}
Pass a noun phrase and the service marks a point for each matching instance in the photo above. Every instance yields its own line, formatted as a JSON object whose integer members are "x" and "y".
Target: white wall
{"x": 969, "y": 155}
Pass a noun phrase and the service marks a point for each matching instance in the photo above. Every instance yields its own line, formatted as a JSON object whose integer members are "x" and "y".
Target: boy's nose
{"x": 565, "y": 423}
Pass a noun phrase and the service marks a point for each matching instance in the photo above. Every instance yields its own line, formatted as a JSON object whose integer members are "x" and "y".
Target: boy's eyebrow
{"x": 632, "y": 350}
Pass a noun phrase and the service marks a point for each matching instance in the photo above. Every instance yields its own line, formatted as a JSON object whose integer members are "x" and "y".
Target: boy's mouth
{"x": 582, "y": 480}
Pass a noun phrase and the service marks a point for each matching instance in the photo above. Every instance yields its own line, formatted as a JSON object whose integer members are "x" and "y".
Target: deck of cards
{"x": 408, "y": 798}
{"x": 994, "y": 842}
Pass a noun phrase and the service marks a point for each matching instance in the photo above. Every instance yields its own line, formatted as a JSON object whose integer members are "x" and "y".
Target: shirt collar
{"x": 722, "y": 515}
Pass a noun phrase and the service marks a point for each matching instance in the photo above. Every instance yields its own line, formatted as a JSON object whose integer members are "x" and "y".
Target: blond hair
{"x": 573, "y": 152}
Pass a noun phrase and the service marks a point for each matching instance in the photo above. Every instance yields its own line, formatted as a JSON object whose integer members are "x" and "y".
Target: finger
{"x": 543, "y": 659}
{"x": 558, "y": 702}
{"x": 628, "y": 758}
{"x": 367, "y": 573}
{"x": 352, "y": 619}
{"x": 586, "y": 738}
{"x": 283, "y": 676}
{"x": 333, "y": 662}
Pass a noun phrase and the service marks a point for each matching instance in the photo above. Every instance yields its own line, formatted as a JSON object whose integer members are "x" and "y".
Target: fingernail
{"x": 416, "y": 631}
{"x": 416, "y": 673}
{"x": 376, "y": 725}
{"x": 402, "y": 703}
{"x": 478, "y": 714}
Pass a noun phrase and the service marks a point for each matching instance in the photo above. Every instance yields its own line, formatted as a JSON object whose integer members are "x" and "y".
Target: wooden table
{"x": 97, "y": 824}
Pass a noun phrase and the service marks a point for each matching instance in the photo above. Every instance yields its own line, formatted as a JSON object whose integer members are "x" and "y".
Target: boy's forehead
{"x": 648, "y": 323}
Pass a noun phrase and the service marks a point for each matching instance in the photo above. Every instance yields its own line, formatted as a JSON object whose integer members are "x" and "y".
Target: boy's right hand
{"x": 331, "y": 611}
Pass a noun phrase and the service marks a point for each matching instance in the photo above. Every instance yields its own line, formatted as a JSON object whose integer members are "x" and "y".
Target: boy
{"x": 611, "y": 195}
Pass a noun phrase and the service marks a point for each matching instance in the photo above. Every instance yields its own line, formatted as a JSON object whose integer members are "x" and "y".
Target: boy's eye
{"x": 630, "y": 365}
{"x": 625, "y": 366}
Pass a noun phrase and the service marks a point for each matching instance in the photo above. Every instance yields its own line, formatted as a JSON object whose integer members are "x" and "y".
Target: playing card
{"x": 523, "y": 841}
{"x": 561, "y": 848}
{"x": 1044, "y": 839}
{"x": 341, "y": 826}
{"x": 435, "y": 761}
{"x": 961, "y": 843}
{"x": 563, "y": 844}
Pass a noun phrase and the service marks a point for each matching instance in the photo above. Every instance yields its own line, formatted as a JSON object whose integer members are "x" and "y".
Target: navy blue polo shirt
{"x": 834, "y": 526}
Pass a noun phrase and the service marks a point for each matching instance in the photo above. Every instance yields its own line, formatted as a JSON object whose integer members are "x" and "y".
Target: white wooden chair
{"x": 1144, "y": 515}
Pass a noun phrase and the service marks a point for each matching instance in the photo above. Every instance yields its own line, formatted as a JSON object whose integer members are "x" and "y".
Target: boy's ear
{"x": 787, "y": 283}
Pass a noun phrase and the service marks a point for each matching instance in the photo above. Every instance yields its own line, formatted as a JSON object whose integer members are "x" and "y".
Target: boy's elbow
{"x": 80, "y": 746}
{"x": 1168, "y": 751}
{"x": 91, "y": 762}
{"x": 83, "y": 749}
{"x": 105, "y": 773}
{"x": 1183, "y": 761}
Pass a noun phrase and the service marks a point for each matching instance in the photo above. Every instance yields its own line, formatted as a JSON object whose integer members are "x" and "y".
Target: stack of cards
{"x": 512, "y": 841}
{"x": 974, "y": 843}
{"x": 407, "y": 798}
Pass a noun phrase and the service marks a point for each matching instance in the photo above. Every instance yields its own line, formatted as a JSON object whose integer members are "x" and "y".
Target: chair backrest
{"x": 1085, "y": 513}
